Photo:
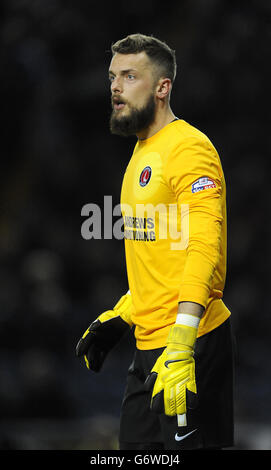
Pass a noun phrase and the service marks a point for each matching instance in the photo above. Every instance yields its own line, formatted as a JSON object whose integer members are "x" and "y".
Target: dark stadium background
{"x": 57, "y": 155}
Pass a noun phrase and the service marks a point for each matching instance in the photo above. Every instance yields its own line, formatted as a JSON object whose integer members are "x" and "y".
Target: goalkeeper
{"x": 179, "y": 390}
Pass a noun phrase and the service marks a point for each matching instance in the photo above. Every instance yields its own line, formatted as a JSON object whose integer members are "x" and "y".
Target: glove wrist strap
{"x": 124, "y": 307}
{"x": 184, "y": 332}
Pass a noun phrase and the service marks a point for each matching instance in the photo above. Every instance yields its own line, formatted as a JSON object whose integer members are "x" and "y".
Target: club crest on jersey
{"x": 203, "y": 183}
{"x": 145, "y": 176}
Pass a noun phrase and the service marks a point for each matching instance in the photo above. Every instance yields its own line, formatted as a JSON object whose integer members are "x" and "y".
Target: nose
{"x": 116, "y": 86}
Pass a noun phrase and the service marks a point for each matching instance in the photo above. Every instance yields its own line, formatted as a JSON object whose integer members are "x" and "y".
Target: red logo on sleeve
{"x": 203, "y": 183}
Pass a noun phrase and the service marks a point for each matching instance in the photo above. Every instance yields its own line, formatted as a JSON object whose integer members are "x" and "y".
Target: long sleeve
{"x": 194, "y": 173}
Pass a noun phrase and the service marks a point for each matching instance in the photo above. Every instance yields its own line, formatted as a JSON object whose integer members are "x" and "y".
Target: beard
{"x": 136, "y": 121}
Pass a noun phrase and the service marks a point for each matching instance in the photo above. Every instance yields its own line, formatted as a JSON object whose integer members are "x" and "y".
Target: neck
{"x": 162, "y": 118}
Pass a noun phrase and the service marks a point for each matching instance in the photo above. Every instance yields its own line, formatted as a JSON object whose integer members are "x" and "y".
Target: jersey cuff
{"x": 194, "y": 293}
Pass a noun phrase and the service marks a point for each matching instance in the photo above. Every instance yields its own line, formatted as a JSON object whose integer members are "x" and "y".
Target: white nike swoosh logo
{"x": 180, "y": 438}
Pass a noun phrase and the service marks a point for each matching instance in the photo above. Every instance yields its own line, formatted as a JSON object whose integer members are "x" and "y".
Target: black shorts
{"x": 209, "y": 425}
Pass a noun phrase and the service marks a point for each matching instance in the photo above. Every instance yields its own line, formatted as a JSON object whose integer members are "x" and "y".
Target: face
{"x": 133, "y": 93}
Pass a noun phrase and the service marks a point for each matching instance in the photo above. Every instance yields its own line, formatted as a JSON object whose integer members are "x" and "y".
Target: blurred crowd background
{"x": 57, "y": 155}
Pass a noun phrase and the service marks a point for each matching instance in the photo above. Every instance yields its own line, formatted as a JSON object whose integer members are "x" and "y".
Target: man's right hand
{"x": 104, "y": 333}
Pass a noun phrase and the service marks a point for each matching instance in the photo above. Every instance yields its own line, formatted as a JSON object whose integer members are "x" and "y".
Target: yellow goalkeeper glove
{"x": 174, "y": 371}
{"x": 104, "y": 333}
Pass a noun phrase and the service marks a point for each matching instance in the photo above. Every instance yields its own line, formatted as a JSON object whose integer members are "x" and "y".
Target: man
{"x": 179, "y": 386}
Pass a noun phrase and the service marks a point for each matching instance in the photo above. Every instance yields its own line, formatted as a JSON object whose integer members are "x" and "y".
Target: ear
{"x": 163, "y": 88}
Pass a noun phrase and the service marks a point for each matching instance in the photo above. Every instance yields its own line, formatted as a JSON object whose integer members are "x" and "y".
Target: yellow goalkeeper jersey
{"x": 173, "y": 203}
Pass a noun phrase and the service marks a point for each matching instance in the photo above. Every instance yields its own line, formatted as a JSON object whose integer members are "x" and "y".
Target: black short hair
{"x": 158, "y": 51}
